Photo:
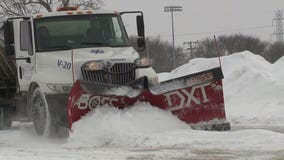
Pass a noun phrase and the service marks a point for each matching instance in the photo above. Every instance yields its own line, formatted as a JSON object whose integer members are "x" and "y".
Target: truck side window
{"x": 26, "y": 37}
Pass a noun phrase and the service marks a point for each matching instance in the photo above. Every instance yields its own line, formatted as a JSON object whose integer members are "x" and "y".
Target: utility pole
{"x": 190, "y": 46}
{"x": 279, "y": 25}
{"x": 173, "y": 9}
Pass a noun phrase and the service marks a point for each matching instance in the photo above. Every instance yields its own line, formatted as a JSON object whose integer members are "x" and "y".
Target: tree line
{"x": 161, "y": 51}
{"x": 230, "y": 44}
{"x": 23, "y": 7}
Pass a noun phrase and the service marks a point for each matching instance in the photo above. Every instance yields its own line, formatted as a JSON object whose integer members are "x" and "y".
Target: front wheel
{"x": 49, "y": 114}
{"x": 40, "y": 112}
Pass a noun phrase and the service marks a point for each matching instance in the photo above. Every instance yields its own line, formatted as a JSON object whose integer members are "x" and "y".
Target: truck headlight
{"x": 143, "y": 62}
{"x": 60, "y": 88}
{"x": 94, "y": 66}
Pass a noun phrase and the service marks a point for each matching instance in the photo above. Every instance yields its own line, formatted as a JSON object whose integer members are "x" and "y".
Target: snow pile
{"x": 253, "y": 87}
{"x": 144, "y": 126}
{"x": 253, "y": 96}
{"x": 179, "y": 143}
{"x": 132, "y": 126}
{"x": 254, "y": 90}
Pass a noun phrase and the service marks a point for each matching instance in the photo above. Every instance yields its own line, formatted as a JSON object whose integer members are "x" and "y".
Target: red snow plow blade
{"x": 196, "y": 99}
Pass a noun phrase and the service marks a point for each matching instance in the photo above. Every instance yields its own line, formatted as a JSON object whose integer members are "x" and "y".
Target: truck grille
{"x": 118, "y": 74}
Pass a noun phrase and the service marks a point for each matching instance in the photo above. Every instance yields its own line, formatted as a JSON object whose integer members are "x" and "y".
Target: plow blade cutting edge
{"x": 196, "y": 99}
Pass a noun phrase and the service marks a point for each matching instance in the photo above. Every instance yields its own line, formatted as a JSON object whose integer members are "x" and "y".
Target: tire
{"x": 40, "y": 113}
{"x": 49, "y": 114}
{"x": 5, "y": 118}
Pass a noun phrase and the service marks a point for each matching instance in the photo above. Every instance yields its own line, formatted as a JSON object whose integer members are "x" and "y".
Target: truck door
{"x": 24, "y": 52}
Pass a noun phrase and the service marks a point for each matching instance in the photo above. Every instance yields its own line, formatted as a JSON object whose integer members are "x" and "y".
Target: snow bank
{"x": 253, "y": 87}
{"x": 132, "y": 126}
{"x": 150, "y": 143}
{"x": 253, "y": 96}
{"x": 144, "y": 126}
{"x": 254, "y": 90}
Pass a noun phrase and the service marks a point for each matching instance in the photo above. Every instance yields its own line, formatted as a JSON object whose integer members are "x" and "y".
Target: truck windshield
{"x": 81, "y": 31}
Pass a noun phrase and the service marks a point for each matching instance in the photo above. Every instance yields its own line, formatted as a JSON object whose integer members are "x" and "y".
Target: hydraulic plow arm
{"x": 196, "y": 99}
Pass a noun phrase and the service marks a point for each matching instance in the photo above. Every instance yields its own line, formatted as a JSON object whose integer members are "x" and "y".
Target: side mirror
{"x": 140, "y": 29}
{"x": 140, "y": 26}
{"x": 141, "y": 32}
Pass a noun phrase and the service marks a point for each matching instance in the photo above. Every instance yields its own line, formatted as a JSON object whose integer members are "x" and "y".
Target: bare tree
{"x": 205, "y": 48}
{"x": 239, "y": 42}
{"x": 12, "y": 8}
{"x": 230, "y": 44}
{"x": 85, "y": 4}
{"x": 274, "y": 51}
{"x": 24, "y": 7}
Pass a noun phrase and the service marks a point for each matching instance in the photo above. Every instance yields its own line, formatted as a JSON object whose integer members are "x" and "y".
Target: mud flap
{"x": 196, "y": 99}
{"x": 6, "y": 113}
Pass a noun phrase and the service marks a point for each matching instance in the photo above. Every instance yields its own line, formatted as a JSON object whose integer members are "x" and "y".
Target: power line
{"x": 223, "y": 31}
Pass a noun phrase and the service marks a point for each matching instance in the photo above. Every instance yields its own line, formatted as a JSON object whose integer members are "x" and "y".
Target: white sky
{"x": 200, "y": 18}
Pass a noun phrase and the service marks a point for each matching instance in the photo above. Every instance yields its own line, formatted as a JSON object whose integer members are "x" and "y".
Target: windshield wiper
{"x": 121, "y": 45}
{"x": 95, "y": 43}
{"x": 61, "y": 47}
{"x": 105, "y": 44}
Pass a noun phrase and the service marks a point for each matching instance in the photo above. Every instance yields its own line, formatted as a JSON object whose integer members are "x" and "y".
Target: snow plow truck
{"x": 56, "y": 67}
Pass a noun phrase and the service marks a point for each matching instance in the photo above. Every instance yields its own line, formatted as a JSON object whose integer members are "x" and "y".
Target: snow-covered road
{"x": 254, "y": 103}
{"x": 179, "y": 144}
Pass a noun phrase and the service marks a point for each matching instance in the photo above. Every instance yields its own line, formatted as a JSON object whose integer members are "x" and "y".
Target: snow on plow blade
{"x": 196, "y": 99}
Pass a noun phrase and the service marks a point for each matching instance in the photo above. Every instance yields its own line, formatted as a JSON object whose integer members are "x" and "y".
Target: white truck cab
{"x": 61, "y": 46}
{"x": 53, "y": 50}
